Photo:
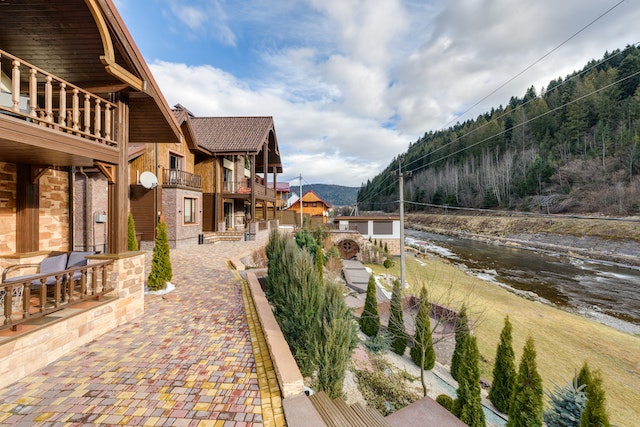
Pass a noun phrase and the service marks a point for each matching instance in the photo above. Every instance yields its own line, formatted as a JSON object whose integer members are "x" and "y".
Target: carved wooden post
{"x": 15, "y": 85}
{"x": 62, "y": 114}
{"x": 48, "y": 100}
{"x": 97, "y": 119}
{"x": 75, "y": 105}
{"x": 33, "y": 93}
{"x": 87, "y": 113}
{"x": 107, "y": 122}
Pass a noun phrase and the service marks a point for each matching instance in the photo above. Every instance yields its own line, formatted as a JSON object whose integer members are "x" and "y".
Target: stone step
{"x": 336, "y": 413}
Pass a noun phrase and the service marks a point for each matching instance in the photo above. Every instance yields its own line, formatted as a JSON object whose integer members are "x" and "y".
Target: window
{"x": 314, "y": 204}
{"x": 305, "y": 204}
{"x": 175, "y": 161}
{"x": 189, "y": 210}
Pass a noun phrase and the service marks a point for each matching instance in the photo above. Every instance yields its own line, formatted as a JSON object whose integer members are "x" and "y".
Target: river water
{"x": 605, "y": 292}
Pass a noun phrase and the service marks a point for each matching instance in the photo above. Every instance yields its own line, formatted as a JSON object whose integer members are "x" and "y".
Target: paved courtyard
{"x": 188, "y": 361}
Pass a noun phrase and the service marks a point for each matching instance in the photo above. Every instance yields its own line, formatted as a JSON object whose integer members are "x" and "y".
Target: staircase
{"x": 223, "y": 236}
{"x": 336, "y": 413}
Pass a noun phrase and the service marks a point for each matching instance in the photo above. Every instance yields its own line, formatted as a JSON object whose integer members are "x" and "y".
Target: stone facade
{"x": 90, "y": 208}
{"x": 54, "y": 211}
{"x": 7, "y": 208}
{"x": 181, "y": 234}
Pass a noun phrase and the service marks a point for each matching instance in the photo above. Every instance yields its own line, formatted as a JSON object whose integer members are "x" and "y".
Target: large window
{"x": 189, "y": 210}
{"x": 175, "y": 161}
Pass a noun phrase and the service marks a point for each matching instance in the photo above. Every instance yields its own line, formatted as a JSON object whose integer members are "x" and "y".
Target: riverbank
{"x": 596, "y": 239}
{"x": 563, "y": 340}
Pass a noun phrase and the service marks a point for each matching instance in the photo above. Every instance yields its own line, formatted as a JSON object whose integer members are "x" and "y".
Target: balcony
{"x": 243, "y": 188}
{"x": 39, "y": 97}
{"x": 180, "y": 178}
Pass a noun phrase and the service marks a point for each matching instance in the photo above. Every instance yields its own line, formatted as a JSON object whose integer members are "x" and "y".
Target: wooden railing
{"x": 53, "y": 102}
{"x": 70, "y": 287}
{"x": 182, "y": 178}
{"x": 244, "y": 187}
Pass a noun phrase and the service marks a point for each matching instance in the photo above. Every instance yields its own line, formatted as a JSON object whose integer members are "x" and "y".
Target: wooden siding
{"x": 143, "y": 210}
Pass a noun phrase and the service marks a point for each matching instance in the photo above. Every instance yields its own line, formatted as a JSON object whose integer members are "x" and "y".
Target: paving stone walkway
{"x": 188, "y": 361}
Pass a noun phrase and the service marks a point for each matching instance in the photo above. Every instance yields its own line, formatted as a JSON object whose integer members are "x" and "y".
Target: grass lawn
{"x": 564, "y": 341}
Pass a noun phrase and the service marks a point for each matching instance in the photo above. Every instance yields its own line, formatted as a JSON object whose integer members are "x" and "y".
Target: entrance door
{"x": 228, "y": 215}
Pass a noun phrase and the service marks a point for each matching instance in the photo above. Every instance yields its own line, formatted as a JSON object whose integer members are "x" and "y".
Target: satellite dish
{"x": 148, "y": 180}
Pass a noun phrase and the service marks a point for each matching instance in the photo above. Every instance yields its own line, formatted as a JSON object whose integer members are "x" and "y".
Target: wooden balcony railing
{"x": 19, "y": 303}
{"x": 53, "y": 102}
{"x": 244, "y": 187}
{"x": 181, "y": 178}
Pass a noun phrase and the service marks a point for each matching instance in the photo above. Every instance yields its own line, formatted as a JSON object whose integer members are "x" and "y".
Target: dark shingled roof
{"x": 232, "y": 134}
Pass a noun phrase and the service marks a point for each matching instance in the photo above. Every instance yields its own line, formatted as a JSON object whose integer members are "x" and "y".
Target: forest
{"x": 574, "y": 147}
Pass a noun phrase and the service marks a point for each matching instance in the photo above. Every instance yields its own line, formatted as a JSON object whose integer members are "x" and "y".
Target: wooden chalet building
{"x": 313, "y": 206}
{"x": 239, "y": 174}
{"x": 75, "y": 93}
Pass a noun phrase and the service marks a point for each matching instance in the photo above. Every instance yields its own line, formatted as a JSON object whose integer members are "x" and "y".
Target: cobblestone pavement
{"x": 188, "y": 361}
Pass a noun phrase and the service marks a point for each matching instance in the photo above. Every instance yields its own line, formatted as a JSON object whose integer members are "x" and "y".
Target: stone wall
{"x": 7, "y": 208}
{"x": 54, "y": 211}
{"x": 28, "y": 352}
{"x": 181, "y": 234}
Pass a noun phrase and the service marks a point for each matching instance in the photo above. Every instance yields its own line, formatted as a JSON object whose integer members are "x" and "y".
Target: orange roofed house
{"x": 313, "y": 206}
{"x": 74, "y": 94}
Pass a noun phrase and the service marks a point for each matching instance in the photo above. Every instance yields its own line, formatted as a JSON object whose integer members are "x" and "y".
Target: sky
{"x": 351, "y": 83}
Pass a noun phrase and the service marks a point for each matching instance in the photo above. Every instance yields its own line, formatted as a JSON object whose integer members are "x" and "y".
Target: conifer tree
{"x": 504, "y": 371}
{"x": 462, "y": 331}
{"x": 161, "y": 271}
{"x": 422, "y": 352}
{"x": 525, "y": 409}
{"x": 584, "y": 377}
{"x": 319, "y": 263}
{"x": 468, "y": 404}
{"x": 595, "y": 411}
{"x": 370, "y": 319}
{"x": 565, "y": 405}
{"x": 396, "y": 328}
{"x": 132, "y": 242}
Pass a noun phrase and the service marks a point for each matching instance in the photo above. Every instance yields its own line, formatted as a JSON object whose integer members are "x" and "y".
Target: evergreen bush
{"x": 565, "y": 405}
{"x": 397, "y": 332}
{"x": 161, "y": 271}
{"x": 462, "y": 332}
{"x": 446, "y": 401}
{"x": 525, "y": 408}
{"x": 504, "y": 371}
{"x": 422, "y": 353}
{"x": 320, "y": 263}
{"x": 468, "y": 404}
{"x": 132, "y": 242}
{"x": 388, "y": 263}
{"x": 369, "y": 319}
{"x": 379, "y": 343}
{"x": 595, "y": 410}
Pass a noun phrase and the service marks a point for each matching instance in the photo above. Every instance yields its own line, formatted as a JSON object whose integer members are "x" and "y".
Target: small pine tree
{"x": 319, "y": 263}
{"x": 370, "y": 319}
{"x": 396, "y": 328}
{"x": 422, "y": 352}
{"x": 565, "y": 405}
{"x": 595, "y": 410}
{"x": 526, "y": 402}
{"x": 161, "y": 271}
{"x": 462, "y": 331}
{"x": 504, "y": 371}
{"x": 386, "y": 248}
{"x": 132, "y": 242}
{"x": 468, "y": 404}
{"x": 584, "y": 377}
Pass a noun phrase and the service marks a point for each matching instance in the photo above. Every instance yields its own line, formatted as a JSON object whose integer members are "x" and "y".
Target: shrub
{"x": 468, "y": 404}
{"x": 504, "y": 371}
{"x": 388, "y": 263}
{"x": 446, "y": 401}
{"x": 462, "y": 332}
{"x": 422, "y": 352}
{"x": 132, "y": 242}
{"x": 595, "y": 411}
{"x": 525, "y": 408}
{"x": 395, "y": 326}
{"x": 565, "y": 405}
{"x": 161, "y": 271}
{"x": 379, "y": 343}
{"x": 369, "y": 319}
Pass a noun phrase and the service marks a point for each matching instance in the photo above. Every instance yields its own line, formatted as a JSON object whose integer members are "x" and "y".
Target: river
{"x": 602, "y": 291}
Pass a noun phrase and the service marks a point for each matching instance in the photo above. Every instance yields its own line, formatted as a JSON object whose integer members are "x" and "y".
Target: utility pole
{"x": 301, "y": 217}
{"x": 401, "y": 224}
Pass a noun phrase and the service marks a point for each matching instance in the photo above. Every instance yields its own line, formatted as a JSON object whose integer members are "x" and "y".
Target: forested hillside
{"x": 573, "y": 147}
{"x": 335, "y": 195}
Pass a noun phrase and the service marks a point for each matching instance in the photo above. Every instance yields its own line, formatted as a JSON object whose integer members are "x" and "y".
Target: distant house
{"x": 312, "y": 205}
{"x": 382, "y": 228}
{"x": 283, "y": 189}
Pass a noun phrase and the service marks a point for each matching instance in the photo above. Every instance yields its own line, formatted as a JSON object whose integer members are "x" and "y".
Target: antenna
{"x": 148, "y": 180}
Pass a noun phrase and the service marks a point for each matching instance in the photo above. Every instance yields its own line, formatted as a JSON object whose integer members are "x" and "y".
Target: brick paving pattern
{"x": 188, "y": 361}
